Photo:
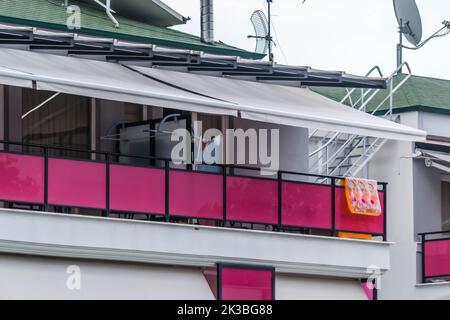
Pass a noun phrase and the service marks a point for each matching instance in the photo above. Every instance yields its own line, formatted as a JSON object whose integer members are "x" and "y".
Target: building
{"x": 94, "y": 208}
{"x": 418, "y": 174}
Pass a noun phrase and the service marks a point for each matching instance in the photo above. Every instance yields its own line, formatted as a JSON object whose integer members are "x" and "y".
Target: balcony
{"x": 289, "y": 202}
{"x": 435, "y": 256}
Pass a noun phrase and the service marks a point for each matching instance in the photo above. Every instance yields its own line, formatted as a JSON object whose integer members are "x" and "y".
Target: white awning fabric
{"x": 298, "y": 107}
{"x": 98, "y": 79}
{"x": 177, "y": 90}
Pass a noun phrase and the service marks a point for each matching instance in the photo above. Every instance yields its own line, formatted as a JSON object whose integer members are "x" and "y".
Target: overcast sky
{"x": 347, "y": 35}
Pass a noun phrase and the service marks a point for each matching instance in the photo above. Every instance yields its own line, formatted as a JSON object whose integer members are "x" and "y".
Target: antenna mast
{"x": 269, "y": 35}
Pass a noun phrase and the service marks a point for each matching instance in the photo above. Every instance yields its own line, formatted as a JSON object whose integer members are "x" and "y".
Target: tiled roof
{"x": 417, "y": 94}
{"x": 51, "y": 14}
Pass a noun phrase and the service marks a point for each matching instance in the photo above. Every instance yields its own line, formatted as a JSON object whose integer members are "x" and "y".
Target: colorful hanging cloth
{"x": 362, "y": 196}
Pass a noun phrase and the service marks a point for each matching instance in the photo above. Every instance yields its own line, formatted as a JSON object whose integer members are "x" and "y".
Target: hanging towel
{"x": 362, "y": 196}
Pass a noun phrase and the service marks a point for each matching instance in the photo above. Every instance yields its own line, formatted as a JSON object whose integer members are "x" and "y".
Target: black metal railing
{"x": 435, "y": 256}
{"x": 226, "y": 172}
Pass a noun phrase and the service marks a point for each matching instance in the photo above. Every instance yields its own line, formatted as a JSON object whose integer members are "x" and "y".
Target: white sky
{"x": 347, "y": 35}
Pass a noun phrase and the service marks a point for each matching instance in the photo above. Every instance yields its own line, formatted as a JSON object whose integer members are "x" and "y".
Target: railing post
{"x": 280, "y": 200}
{"x": 167, "y": 178}
{"x": 333, "y": 206}
{"x": 45, "y": 179}
{"x": 224, "y": 196}
{"x": 108, "y": 182}
{"x": 385, "y": 212}
{"x": 423, "y": 257}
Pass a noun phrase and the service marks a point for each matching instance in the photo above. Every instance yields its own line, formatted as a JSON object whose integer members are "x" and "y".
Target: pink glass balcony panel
{"x": 76, "y": 183}
{"x": 22, "y": 178}
{"x": 306, "y": 205}
{"x": 437, "y": 258}
{"x": 347, "y": 221}
{"x": 137, "y": 189}
{"x": 195, "y": 194}
{"x": 246, "y": 284}
{"x": 252, "y": 200}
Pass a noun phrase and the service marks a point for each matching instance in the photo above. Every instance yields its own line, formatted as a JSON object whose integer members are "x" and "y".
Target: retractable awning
{"x": 298, "y": 107}
{"x": 178, "y": 90}
{"x": 436, "y": 160}
{"x": 99, "y": 79}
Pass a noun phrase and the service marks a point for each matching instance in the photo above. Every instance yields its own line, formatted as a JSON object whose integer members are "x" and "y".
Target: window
{"x": 62, "y": 121}
{"x": 238, "y": 282}
{"x": 445, "y": 198}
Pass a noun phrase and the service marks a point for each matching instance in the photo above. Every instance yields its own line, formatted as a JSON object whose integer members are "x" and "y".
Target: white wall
{"x": 435, "y": 124}
{"x": 28, "y": 277}
{"x": 290, "y": 287}
{"x": 427, "y": 198}
{"x": 63, "y": 236}
{"x": 394, "y": 164}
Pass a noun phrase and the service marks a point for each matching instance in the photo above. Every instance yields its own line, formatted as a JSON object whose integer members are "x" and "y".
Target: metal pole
{"x": 333, "y": 207}
{"x": 385, "y": 212}
{"x": 280, "y": 200}
{"x": 400, "y": 47}
{"x": 224, "y": 195}
{"x": 108, "y": 183}
{"x": 269, "y": 36}
{"x": 423, "y": 257}
{"x": 45, "y": 179}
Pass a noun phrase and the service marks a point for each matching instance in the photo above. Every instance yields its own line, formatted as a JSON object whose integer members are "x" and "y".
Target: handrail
{"x": 435, "y": 232}
{"x": 351, "y": 138}
{"x": 126, "y": 155}
{"x": 350, "y": 92}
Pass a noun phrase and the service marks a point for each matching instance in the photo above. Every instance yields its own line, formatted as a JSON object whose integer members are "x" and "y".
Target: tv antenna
{"x": 262, "y": 34}
{"x": 263, "y": 30}
{"x": 410, "y": 26}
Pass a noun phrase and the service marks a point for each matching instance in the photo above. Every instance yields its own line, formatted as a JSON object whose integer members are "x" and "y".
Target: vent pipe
{"x": 207, "y": 21}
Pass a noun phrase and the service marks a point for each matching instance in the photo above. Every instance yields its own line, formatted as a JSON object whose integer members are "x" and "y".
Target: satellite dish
{"x": 262, "y": 36}
{"x": 409, "y": 21}
{"x": 410, "y": 26}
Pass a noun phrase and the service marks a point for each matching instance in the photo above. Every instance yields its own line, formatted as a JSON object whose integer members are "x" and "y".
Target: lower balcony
{"x": 435, "y": 247}
{"x": 435, "y": 266}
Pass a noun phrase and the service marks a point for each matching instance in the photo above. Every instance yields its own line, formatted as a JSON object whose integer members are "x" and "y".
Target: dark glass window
{"x": 62, "y": 121}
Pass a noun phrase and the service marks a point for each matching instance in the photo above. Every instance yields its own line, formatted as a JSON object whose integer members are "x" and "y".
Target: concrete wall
{"x": 290, "y": 287}
{"x": 74, "y": 236}
{"x": 435, "y": 124}
{"x": 394, "y": 164}
{"x": 427, "y": 198}
{"x": 28, "y": 277}
{"x": 32, "y": 277}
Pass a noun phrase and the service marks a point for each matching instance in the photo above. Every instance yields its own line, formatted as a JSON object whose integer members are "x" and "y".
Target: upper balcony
{"x": 160, "y": 214}
{"x": 229, "y": 197}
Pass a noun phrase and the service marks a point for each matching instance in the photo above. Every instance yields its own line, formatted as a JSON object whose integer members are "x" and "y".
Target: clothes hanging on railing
{"x": 362, "y": 196}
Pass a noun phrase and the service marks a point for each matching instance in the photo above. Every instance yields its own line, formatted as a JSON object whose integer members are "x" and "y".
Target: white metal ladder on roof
{"x": 342, "y": 154}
